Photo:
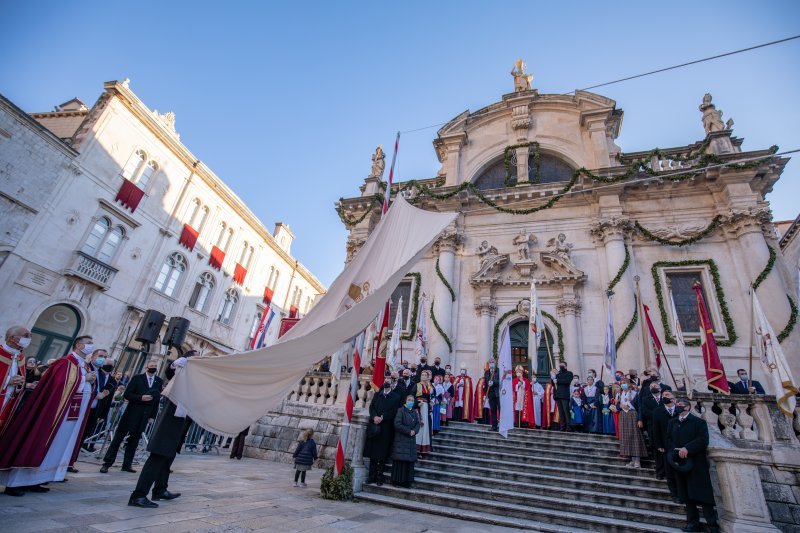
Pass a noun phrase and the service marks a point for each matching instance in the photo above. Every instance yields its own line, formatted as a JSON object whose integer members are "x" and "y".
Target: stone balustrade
{"x": 320, "y": 388}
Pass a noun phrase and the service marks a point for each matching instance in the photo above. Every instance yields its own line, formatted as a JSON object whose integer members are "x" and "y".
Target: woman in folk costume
{"x": 437, "y": 397}
{"x": 607, "y": 426}
{"x": 550, "y": 416}
{"x": 447, "y": 397}
{"x": 576, "y": 411}
{"x": 523, "y": 399}
{"x": 463, "y": 408}
{"x": 538, "y": 398}
{"x": 424, "y": 397}
{"x": 631, "y": 440}
{"x": 591, "y": 410}
{"x": 616, "y": 391}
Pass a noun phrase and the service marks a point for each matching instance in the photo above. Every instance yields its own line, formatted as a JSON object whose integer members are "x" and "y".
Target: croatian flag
{"x": 259, "y": 340}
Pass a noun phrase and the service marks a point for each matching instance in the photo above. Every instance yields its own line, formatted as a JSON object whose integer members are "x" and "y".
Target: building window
{"x": 110, "y": 245}
{"x": 271, "y": 276}
{"x": 247, "y": 254}
{"x": 228, "y": 306}
{"x": 135, "y": 165}
{"x": 103, "y": 241}
{"x": 148, "y": 172}
{"x": 228, "y": 240}
{"x": 404, "y": 290}
{"x": 275, "y": 281}
{"x": 309, "y": 301}
{"x": 170, "y": 274}
{"x": 686, "y": 299}
{"x": 202, "y": 291}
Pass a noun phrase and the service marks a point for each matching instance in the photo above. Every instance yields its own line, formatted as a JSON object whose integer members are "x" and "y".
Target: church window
{"x": 228, "y": 306}
{"x": 686, "y": 299}
{"x": 551, "y": 170}
{"x": 103, "y": 240}
{"x": 404, "y": 290}
{"x": 167, "y": 280}
{"x": 202, "y": 291}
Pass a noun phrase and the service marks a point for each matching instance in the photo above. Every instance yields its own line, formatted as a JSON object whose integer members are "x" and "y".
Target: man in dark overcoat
{"x": 491, "y": 390}
{"x": 563, "y": 394}
{"x": 382, "y": 411}
{"x": 143, "y": 394}
{"x": 688, "y": 435}
{"x": 661, "y": 418}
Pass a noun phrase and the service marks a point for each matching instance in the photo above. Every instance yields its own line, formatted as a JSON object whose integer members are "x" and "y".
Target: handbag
{"x": 373, "y": 430}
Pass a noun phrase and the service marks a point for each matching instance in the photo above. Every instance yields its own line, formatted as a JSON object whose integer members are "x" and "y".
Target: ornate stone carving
{"x": 523, "y": 241}
{"x": 525, "y": 268}
{"x": 490, "y": 269}
{"x": 486, "y": 306}
{"x": 520, "y": 117}
{"x": 378, "y": 163}
{"x": 354, "y": 244}
{"x": 448, "y": 241}
{"x": 569, "y": 306}
{"x": 611, "y": 227}
{"x": 677, "y": 233}
{"x": 484, "y": 249}
{"x": 136, "y": 253}
{"x": 73, "y": 217}
{"x": 522, "y": 80}
{"x": 558, "y": 257}
{"x": 560, "y": 247}
{"x": 756, "y": 218}
{"x": 712, "y": 118}
{"x": 167, "y": 119}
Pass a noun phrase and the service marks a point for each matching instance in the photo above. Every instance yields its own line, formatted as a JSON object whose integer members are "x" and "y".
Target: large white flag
{"x": 610, "y": 354}
{"x": 228, "y": 393}
{"x": 506, "y": 391}
{"x": 421, "y": 342}
{"x": 535, "y": 331}
{"x": 688, "y": 377}
{"x": 338, "y": 359}
{"x": 397, "y": 331}
{"x": 773, "y": 360}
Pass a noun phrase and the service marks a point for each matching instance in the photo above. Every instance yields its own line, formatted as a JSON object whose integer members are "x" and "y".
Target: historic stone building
{"x": 107, "y": 214}
{"x": 516, "y": 172}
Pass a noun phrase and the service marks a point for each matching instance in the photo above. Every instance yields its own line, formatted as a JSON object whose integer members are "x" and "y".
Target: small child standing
{"x": 304, "y": 456}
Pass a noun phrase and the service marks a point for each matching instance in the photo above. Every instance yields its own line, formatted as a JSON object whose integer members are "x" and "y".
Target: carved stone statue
{"x": 522, "y": 80}
{"x": 712, "y": 118}
{"x": 378, "y": 162}
{"x": 560, "y": 247}
{"x": 523, "y": 242}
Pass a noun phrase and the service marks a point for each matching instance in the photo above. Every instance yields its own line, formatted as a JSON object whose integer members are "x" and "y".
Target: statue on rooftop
{"x": 522, "y": 80}
{"x": 378, "y": 162}
{"x": 712, "y": 118}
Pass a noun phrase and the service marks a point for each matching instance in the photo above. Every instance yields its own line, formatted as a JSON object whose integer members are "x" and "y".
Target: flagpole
{"x": 645, "y": 335}
{"x": 752, "y": 329}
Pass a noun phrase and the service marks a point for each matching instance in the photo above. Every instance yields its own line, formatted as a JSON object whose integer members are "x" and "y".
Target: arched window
{"x": 135, "y": 165}
{"x": 551, "y": 170}
{"x": 228, "y": 240}
{"x": 171, "y": 270}
{"x": 110, "y": 245}
{"x": 203, "y": 219}
{"x": 202, "y": 291}
{"x": 228, "y": 306}
{"x": 275, "y": 281}
{"x": 243, "y": 256}
{"x": 196, "y": 207}
{"x": 147, "y": 173}
{"x": 95, "y": 239}
{"x": 250, "y": 254}
{"x": 221, "y": 235}
{"x": 271, "y": 275}
{"x": 53, "y": 332}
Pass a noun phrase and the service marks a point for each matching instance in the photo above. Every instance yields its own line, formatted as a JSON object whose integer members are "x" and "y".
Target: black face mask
{"x": 423, "y": 361}
{"x": 386, "y": 387}
{"x": 152, "y": 370}
{"x": 562, "y": 368}
{"x": 667, "y": 401}
{"x": 108, "y": 368}
{"x": 655, "y": 391}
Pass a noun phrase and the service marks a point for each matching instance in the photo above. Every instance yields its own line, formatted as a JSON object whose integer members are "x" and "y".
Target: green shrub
{"x": 337, "y": 488}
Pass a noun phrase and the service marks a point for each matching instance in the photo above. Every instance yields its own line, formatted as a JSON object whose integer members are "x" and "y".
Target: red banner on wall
{"x": 129, "y": 195}
{"x": 216, "y": 258}
{"x": 268, "y": 294}
{"x": 239, "y": 274}
{"x": 292, "y": 311}
{"x": 188, "y": 237}
{"x": 286, "y": 325}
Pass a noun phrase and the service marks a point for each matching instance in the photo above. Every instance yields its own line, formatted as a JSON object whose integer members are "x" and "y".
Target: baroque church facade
{"x": 634, "y": 223}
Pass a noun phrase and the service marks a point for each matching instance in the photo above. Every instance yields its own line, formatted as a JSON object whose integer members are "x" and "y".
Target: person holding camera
{"x": 143, "y": 394}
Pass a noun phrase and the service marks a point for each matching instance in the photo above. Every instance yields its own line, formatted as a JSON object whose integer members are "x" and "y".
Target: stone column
{"x": 612, "y": 232}
{"x": 568, "y": 311}
{"x": 522, "y": 153}
{"x": 743, "y": 508}
{"x": 443, "y": 301}
{"x": 448, "y": 150}
{"x": 358, "y": 432}
{"x": 487, "y": 310}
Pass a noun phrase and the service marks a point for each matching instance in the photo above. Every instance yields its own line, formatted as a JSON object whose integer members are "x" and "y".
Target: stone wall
{"x": 782, "y": 492}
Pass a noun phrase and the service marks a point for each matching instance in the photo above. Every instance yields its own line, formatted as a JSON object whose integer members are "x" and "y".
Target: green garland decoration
{"x": 620, "y": 272}
{"x": 767, "y": 269}
{"x": 631, "y": 324}
{"x": 504, "y": 316}
{"x": 444, "y": 280}
{"x": 412, "y": 333}
{"x": 792, "y": 321}
{"x": 439, "y": 329}
{"x": 714, "y": 224}
{"x": 377, "y": 198}
{"x": 726, "y": 317}
{"x": 509, "y": 179}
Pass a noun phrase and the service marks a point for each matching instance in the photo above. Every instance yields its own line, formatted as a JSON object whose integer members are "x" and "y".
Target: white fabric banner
{"x": 394, "y": 342}
{"x": 506, "y": 391}
{"x": 536, "y": 330}
{"x": 774, "y": 361}
{"x": 610, "y": 352}
{"x": 225, "y": 394}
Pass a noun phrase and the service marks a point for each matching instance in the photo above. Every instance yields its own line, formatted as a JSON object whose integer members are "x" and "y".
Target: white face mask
{"x": 88, "y": 349}
{"x": 24, "y": 342}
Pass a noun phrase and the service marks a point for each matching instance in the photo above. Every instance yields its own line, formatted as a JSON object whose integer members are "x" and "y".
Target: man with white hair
{"x": 12, "y": 370}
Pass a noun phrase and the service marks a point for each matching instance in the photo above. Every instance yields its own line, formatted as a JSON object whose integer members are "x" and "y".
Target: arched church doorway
{"x": 54, "y": 331}
{"x": 519, "y": 350}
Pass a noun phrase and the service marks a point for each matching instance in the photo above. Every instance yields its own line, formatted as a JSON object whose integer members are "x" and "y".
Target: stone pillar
{"x": 595, "y": 124}
{"x": 448, "y": 150}
{"x": 522, "y": 153}
{"x": 443, "y": 301}
{"x": 358, "y": 432}
{"x": 487, "y": 310}
{"x": 743, "y": 508}
{"x": 568, "y": 312}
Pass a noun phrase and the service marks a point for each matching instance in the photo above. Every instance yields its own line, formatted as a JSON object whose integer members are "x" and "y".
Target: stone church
{"x": 545, "y": 193}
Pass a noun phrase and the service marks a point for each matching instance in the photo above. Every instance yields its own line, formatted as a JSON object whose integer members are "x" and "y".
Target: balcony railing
{"x": 92, "y": 270}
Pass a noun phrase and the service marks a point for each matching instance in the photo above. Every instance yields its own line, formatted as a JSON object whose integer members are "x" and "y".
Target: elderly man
{"x": 12, "y": 369}
{"x": 38, "y": 442}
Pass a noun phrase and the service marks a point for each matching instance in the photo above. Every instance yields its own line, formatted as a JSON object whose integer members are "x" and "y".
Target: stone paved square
{"x": 217, "y": 495}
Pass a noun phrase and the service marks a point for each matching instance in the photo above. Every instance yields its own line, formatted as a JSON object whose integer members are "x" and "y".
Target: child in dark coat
{"x": 304, "y": 456}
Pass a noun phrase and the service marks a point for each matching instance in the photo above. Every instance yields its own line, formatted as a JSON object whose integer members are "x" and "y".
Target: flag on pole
{"x": 260, "y": 338}
{"x": 688, "y": 377}
{"x": 658, "y": 350}
{"x": 506, "y": 390}
{"x": 379, "y": 372}
{"x": 610, "y": 353}
{"x": 358, "y": 344}
{"x": 391, "y": 175}
{"x": 715, "y": 372}
{"x": 421, "y": 342}
{"x": 772, "y": 357}
{"x": 395, "y": 341}
{"x": 339, "y": 358}
{"x": 536, "y": 325}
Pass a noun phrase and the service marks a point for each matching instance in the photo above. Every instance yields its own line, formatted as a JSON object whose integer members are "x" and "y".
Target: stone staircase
{"x": 534, "y": 480}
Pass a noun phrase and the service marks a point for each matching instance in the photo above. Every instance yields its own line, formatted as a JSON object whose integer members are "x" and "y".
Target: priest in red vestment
{"x": 12, "y": 369}
{"x": 549, "y": 411}
{"x": 37, "y": 443}
{"x": 523, "y": 399}
{"x": 462, "y": 397}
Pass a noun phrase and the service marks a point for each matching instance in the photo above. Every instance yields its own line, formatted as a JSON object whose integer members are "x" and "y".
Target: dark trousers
{"x": 155, "y": 474}
{"x": 130, "y": 448}
{"x": 494, "y": 411}
{"x": 563, "y": 414}
{"x": 672, "y": 482}
{"x": 238, "y": 445}
{"x": 376, "y": 469}
{"x": 458, "y": 413}
{"x": 693, "y": 515}
{"x": 661, "y": 470}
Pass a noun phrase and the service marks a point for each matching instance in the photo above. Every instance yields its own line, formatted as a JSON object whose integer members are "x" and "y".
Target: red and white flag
{"x": 715, "y": 372}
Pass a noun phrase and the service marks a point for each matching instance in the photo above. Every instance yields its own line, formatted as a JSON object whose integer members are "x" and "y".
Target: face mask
{"x": 562, "y": 368}
{"x": 99, "y": 361}
{"x": 624, "y": 386}
{"x": 24, "y": 342}
{"x": 410, "y": 405}
{"x": 680, "y": 408}
{"x": 618, "y": 378}
{"x": 437, "y": 363}
{"x": 406, "y": 377}
{"x": 152, "y": 370}
{"x": 386, "y": 387}
{"x": 667, "y": 401}
{"x": 423, "y": 360}
{"x": 88, "y": 349}
{"x": 742, "y": 377}
{"x": 447, "y": 369}
{"x": 491, "y": 366}
{"x": 108, "y": 368}
{"x": 655, "y": 390}
{"x": 463, "y": 372}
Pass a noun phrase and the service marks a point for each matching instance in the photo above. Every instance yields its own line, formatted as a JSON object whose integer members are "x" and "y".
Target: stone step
{"x": 520, "y": 457}
{"x": 526, "y": 435}
{"x": 525, "y": 432}
{"x": 619, "y": 494}
{"x": 608, "y": 457}
{"x": 457, "y": 461}
{"x": 553, "y": 513}
{"x": 576, "y": 446}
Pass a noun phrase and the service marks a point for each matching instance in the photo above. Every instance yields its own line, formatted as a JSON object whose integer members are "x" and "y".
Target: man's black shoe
{"x": 13, "y": 491}
{"x": 104, "y": 469}
{"x": 692, "y": 528}
{"x": 142, "y": 502}
{"x": 72, "y": 470}
{"x": 128, "y": 469}
{"x": 166, "y": 495}
{"x": 35, "y": 488}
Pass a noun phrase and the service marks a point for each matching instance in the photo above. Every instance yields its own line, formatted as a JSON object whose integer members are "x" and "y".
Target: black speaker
{"x": 150, "y": 326}
{"x": 176, "y": 331}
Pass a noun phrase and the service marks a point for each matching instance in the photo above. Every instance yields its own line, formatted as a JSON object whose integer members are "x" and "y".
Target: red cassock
{"x": 9, "y": 396}
{"x": 469, "y": 411}
{"x": 527, "y": 403}
{"x": 549, "y": 416}
{"x": 477, "y": 407}
{"x": 27, "y": 436}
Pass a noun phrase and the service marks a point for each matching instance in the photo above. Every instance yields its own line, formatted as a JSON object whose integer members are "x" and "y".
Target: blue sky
{"x": 286, "y": 101}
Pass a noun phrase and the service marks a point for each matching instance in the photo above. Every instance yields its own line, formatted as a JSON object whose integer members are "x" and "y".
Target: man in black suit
{"x": 563, "y": 380}
{"x": 688, "y": 435}
{"x": 745, "y": 385}
{"x": 143, "y": 394}
{"x": 437, "y": 369}
{"x": 406, "y": 385}
{"x": 105, "y": 386}
{"x": 661, "y": 418}
{"x": 378, "y": 447}
{"x": 491, "y": 390}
